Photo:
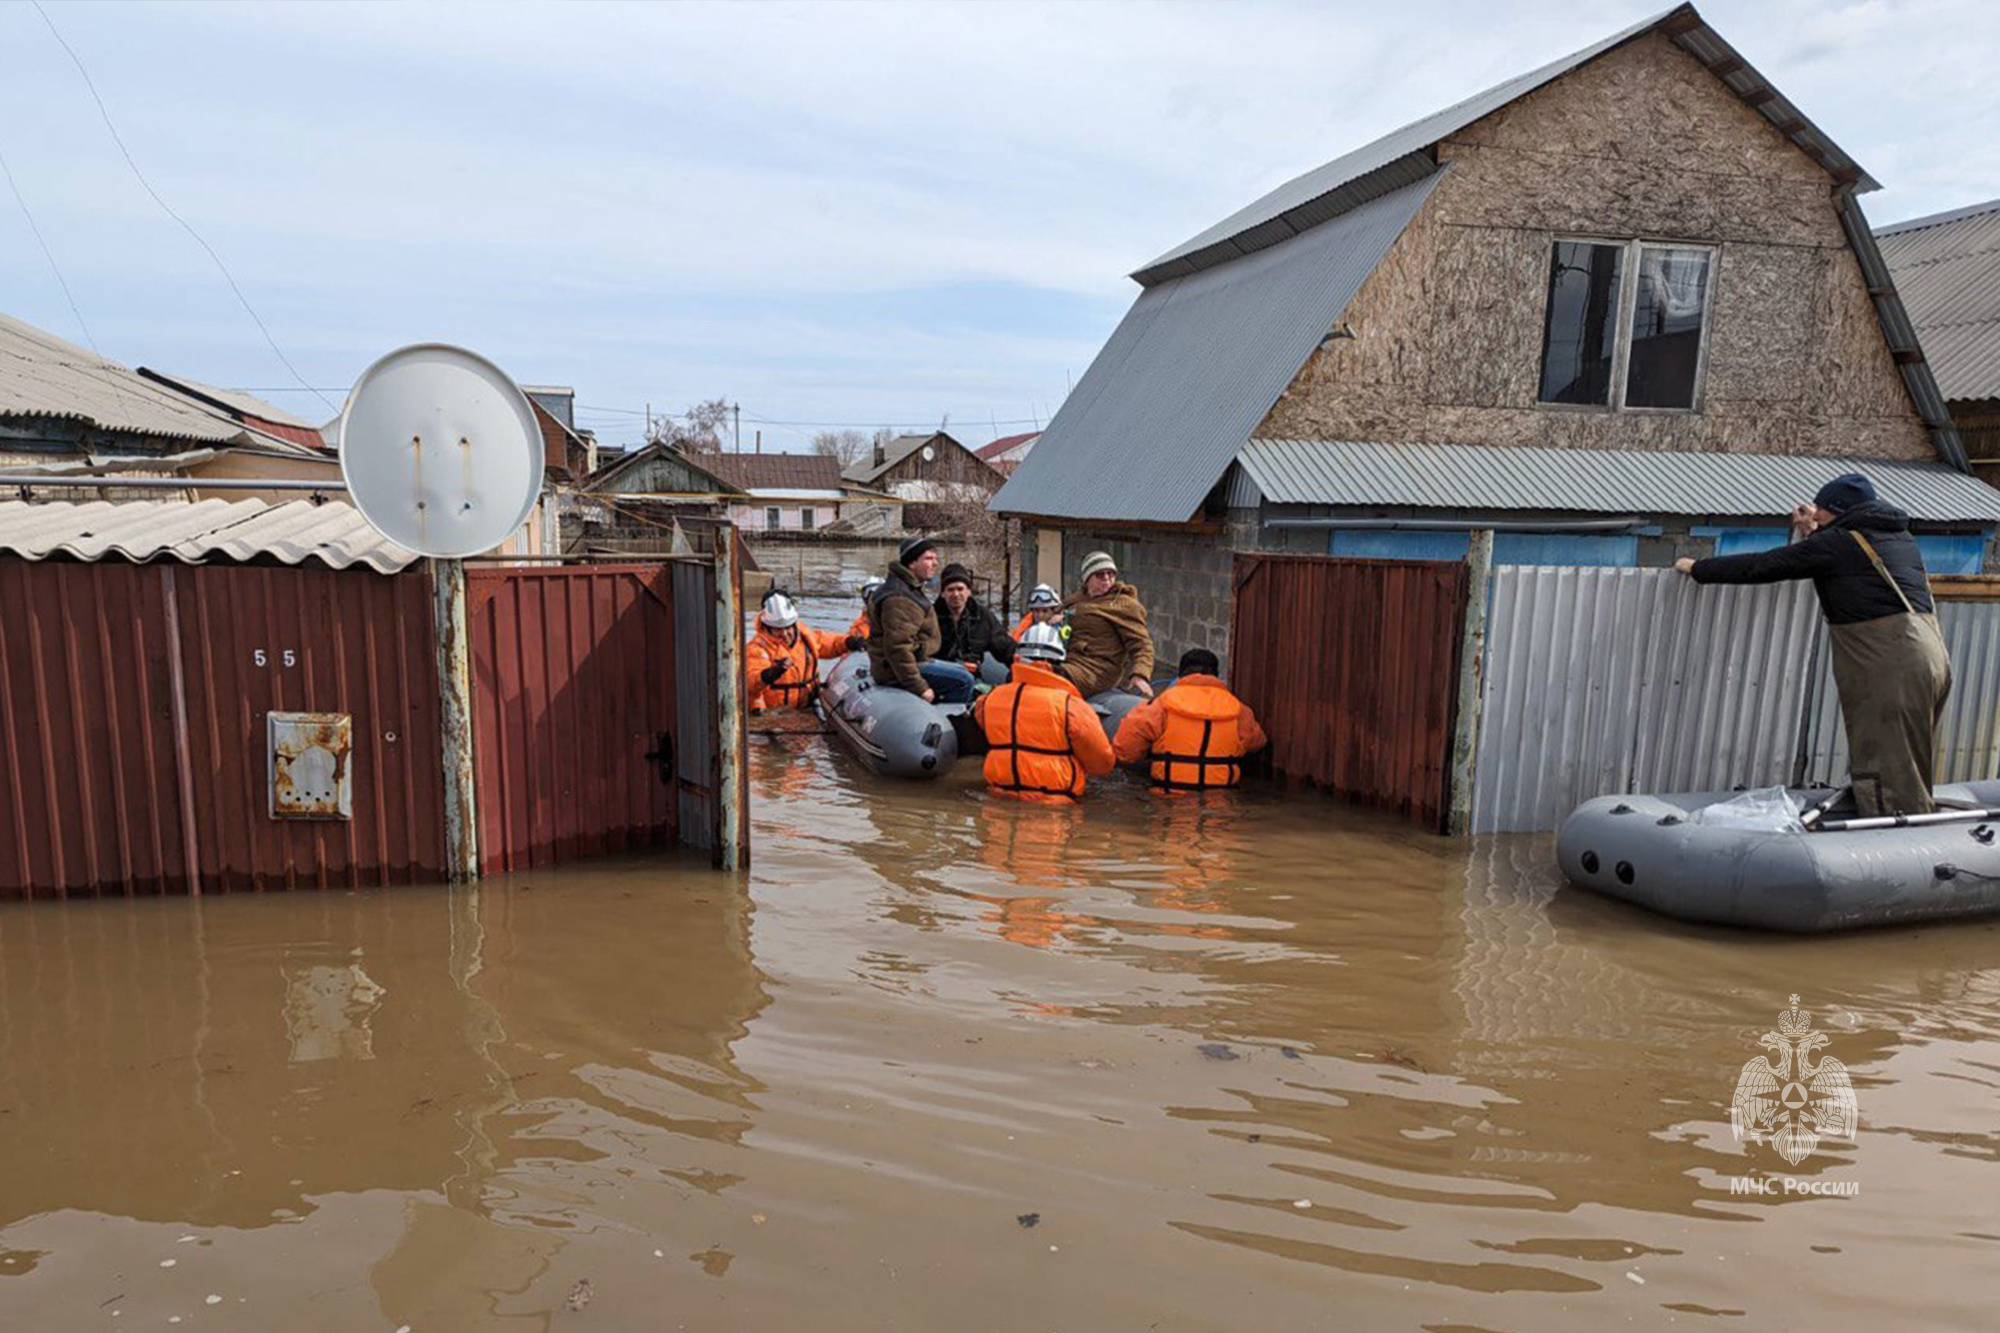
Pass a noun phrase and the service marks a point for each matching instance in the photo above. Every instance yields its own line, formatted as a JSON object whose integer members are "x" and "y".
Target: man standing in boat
{"x": 903, "y": 630}
{"x": 1889, "y": 660}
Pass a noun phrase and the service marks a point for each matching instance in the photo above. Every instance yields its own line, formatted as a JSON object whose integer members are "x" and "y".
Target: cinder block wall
{"x": 1183, "y": 580}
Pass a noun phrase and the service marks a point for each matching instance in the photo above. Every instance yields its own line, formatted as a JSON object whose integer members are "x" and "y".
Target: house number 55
{"x": 262, "y": 658}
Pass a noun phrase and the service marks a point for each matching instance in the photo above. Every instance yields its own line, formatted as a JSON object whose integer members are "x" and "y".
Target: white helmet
{"x": 869, "y": 589}
{"x": 1044, "y": 598}
{"x": 778, "y": 611}
{"x": 1042, "y": 643}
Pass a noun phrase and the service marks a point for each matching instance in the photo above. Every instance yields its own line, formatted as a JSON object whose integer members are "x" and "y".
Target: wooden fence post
{"x": 454, "y": 654}
{"x": 733, "y": 835}
{"x": 1471, "y": 679}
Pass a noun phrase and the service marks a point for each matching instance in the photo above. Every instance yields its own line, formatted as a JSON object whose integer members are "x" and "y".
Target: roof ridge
{"x": 1950, "y": 215}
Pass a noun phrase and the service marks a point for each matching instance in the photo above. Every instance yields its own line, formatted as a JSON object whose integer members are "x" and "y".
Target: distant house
{"x": 648, "y": 500}
{"x": 1618, "y": 309}
{"x": 1947, "y": 267}
{"x": 793, "y": 493}
{"x": 1005, "y": 454}
{"x": 66, "y": 411}
{"x": 923, "y": 468}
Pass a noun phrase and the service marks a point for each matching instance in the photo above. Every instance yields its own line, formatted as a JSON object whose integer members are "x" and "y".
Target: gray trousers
{"x": 1893, "y": 677}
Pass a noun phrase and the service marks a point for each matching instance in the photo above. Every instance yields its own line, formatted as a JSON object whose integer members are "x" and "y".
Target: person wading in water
{"x": 1889, "y": 660}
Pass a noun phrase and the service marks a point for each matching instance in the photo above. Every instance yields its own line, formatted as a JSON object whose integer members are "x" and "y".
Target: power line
{"x": 56, "y": 269}
{"x": 185, "y": 225}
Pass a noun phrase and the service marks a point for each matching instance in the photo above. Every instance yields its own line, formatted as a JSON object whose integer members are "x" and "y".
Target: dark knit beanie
{"x": 1845, "y": 493}
{"x": 954, "y": 573}
{"x": 913, "y": 547}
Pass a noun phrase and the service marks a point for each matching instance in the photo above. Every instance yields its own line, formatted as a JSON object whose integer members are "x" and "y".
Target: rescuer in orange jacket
{"x": 1044, "y": 608}
{"x": 780, "y": 667}
{"x": 859, "y": 629}
{"x": 1192, "y": 734}
{"x": 1042, "y": 738}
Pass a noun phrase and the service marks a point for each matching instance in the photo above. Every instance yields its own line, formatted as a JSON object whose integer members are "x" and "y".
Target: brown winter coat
{"x": 902, "y": 630}
{"x": 1108, "y": 641}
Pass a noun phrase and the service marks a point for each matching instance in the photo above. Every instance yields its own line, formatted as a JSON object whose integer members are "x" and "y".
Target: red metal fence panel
{"x": 1352, "y": 667}
{"x": 573, "y": 709}
{"x": 133, "y": 747}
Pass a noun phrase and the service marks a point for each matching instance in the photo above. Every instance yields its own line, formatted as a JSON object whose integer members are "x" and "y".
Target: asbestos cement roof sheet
{"x": 1947, "y": 270}
{"x": 43, "y": 376}
{"x": 1399, "y": 156}
{"x": 1488, "y": 478}
{"x": 1194, "y": 367}
{"x": 194, "y": 531}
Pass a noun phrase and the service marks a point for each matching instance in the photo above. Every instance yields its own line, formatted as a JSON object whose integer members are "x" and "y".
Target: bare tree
{"x": 696, "y": 431}
{"x": 848, "y": 447}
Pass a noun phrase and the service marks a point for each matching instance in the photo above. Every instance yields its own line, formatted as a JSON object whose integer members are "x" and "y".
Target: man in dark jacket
{"x": 903, "y": 636}
{"x": 970, "y": 631}
{"x": 1889, "y": 660}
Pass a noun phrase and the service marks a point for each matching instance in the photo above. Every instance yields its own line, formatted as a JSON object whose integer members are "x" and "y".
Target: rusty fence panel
{"x": 133, "y": 703}
{"x": 1352, "y": 667}
{"x": 574, "y": 726}
{"x": 698, "y": 750}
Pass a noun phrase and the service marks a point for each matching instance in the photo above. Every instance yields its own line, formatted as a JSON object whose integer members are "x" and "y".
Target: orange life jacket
{"x": 1199, "y": 744}
{"x": 1027, "y": 734}
{"x": 795, "y": 688}
{"x": 859, "y": 629}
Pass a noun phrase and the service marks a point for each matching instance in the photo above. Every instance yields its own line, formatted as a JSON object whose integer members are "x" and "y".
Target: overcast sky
{"x": 829, "y": 213}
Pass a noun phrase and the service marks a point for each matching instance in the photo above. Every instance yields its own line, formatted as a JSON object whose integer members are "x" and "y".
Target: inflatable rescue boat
{"x": 1797, "y": 861}
{"x": 892, "y": 731}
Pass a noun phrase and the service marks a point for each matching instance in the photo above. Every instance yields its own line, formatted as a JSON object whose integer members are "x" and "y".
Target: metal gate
{"x": 576, "y": 732}
{"x": 1352, "y": 667}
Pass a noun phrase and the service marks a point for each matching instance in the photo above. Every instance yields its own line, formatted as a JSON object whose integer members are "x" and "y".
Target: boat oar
{"x": 1909, "y": 821}
{"x": 1817, "y": 811}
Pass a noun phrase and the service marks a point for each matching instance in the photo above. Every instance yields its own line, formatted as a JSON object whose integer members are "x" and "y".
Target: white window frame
{"x": 773, "y": 518}
{"x": 807, "y": 515}
{"x": 1621, "y": 347}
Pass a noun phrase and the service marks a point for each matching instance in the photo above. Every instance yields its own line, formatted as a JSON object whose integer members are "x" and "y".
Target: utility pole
{"x": 647, "y": 438}
{"x": 736, "y": 410}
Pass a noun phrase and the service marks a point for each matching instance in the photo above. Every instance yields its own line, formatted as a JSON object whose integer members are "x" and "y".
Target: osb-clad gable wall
{"x": 1643, "y": 142}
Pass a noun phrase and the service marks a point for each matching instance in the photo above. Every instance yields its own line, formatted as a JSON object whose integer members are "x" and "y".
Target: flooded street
{"x": 956, "y": 1063}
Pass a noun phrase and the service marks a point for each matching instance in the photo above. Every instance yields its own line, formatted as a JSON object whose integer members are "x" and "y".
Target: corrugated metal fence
{"x": 1968, "y": 739}
{"x": 573, "y": 688}
{"x": 1637, "y": 680}
{"x": 1613, "y": 680}
{"x": 133, "y": 753}
{"x": 1352, "y": 667}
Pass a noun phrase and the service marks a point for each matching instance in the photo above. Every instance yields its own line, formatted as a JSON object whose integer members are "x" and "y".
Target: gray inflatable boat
{"x": 1842, "y": 873}
{"x": 892, "y": 731}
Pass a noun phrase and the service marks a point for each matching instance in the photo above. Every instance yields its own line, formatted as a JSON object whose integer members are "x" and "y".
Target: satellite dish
{"x": 930, "y": 454}
{"x": 440, "y": 450}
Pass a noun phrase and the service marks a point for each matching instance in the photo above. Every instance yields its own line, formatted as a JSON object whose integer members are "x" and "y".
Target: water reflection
{"x": 1284, "y": 1059}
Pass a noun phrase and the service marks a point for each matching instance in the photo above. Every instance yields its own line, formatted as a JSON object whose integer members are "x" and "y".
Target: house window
{"x": 1626, "y": 325}
{"x": 806, "y": 518}
{"x": 771, "y": 519}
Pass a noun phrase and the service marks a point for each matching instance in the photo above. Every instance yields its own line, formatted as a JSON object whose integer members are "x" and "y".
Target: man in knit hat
{"x": 1109, "y": 645}
{"x": 970, "y": 630}
{"x": 1889, "y": 660}
{"x": 903, "y": 633}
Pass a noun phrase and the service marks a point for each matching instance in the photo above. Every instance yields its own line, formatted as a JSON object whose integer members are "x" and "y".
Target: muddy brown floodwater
{"x": 947, "y": 1063}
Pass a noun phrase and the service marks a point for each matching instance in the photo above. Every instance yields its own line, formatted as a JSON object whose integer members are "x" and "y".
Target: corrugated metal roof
{"x": 1947, "y": 268}
{"x": 1402, "y": 155}
{"x": 194, "y": 531}
{"x": 1485, "y": 478}
{"x": 1194, "y": 366}
{"x": 43, "y": 376}
{"x": 231, "y": 400}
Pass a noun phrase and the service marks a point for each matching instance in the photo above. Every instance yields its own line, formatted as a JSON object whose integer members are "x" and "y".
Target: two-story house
{"x": 1621, "y": 308}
